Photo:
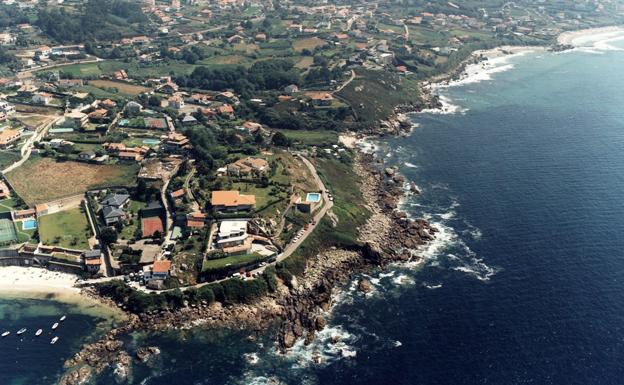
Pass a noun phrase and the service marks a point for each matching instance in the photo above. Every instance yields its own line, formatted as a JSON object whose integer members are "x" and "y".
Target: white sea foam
{"x": 410, "y": 165}
{"x": 432, "y": 287}
{"x": 397, "y": 344}
{"x": 403, "y": 279}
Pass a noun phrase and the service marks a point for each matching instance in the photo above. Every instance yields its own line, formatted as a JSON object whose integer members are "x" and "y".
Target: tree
{"x": 280, "y": 140}
{"x": 108, "y": 235}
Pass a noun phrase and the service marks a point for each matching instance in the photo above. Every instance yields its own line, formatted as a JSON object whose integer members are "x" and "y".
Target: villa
{"x": 233, "y": 238}
{"x": 311, "y": 202}
{"x": 248, "y": 166}
{"x": 8, "y": 137}
{"x": 232, "y": 201}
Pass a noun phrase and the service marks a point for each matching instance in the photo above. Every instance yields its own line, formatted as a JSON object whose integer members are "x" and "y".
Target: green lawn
{"x": 69, "y": 228}
{"x": 213, "y": 265}
{"x": 7, "y": 158}
{"x": 312, "y": 138}
{"x": 6, "y": 205}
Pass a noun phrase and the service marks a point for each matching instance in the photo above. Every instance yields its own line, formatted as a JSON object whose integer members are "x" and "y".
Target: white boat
{"x": 5, "y": 334}
{"x": 21, "y": 331}
{"x": 38, "y": 333}
{"x": 53, "y": 340}
{"x": 63, "y": 318}
{"x": 55, "y": 325}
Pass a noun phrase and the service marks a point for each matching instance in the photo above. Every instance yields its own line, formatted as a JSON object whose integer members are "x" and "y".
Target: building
{"x": 98, "y": 115}
{"x": 322, "y": 99}
{"x": 168, "y": 88}
{"x": 24, "y": 214}
{"x": 42, "y": 209}
{"x": 176, "y": 102}
{"x": 133, "y": 108}
{"x": 248, "y": 166}
{"x": 175, "y": 143}
{"x": 87, "y": 155}
{"x": 7, "y": 108}
{"x": 291, "y": 89}
{"x": 130, "y": 156}
{"x": 232, "y": 201}
{"x": 232, "y": 233}
{"x": 77, "y": 119}
{"x": 196, "y": 220}
{"x": 9, "y": 137}
{"x": 113, "y": 208}
{"x": 43, "y": 98}
{"x": 92, "y": 260}
{"x": 160, "y": 269}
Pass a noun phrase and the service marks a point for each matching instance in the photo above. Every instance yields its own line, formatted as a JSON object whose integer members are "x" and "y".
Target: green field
{"x": 7, "y": 205}
{"x": 68, "y": 229}
{"x": 213, "y": 265}
{"x": 44, "y": 179}
{"x": 7, "y": 158}
{"x": 312, "y": 138}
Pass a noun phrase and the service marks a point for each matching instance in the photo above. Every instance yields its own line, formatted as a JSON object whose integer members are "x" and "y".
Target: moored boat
{"x": 21, "y": 331}
{"x": 55, "y": 325}
{"x": 5, "y": 334}
{"x": 38, "y": 333}
{"x": 63, "y": 318}
{"x": 53, "y": 341}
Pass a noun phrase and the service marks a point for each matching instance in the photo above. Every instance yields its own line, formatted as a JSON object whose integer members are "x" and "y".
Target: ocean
{"x": 524, "y": 284}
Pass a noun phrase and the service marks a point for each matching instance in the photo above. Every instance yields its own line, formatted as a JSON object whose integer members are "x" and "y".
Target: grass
{"x": 373, "y": 95}
{"x": 122, "y": 88}
{"x": 348, "y": 208}
{"x": 214, "y": 265}
{"x": 7, "y": 205}
{"x": 308, "y": 43}
{"x": 312, "y": 138}
{"x": 305, "y": 62}
{"x": 7, "y": 158}
{"x": 70, "y": 228}
{"x": 44, "y": 179}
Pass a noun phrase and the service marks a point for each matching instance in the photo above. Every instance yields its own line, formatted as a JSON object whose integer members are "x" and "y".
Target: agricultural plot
{"x": 308, "y": 43}
{"x": 44, "y": 179}
{"x": 122, "y": 88}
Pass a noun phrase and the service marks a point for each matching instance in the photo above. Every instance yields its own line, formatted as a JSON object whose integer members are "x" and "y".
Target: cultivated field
{"x": 124, "y": 88}
{"x": 44, "y": 179}
{"x": 308, "y": 43}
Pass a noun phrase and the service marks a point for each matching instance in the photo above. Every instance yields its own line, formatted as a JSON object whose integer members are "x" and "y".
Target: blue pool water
{"x": 29, "y": 224}
{"x": 313, "y": 197}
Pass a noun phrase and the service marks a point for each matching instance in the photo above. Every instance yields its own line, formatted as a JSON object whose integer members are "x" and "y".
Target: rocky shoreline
{"x": 299, "y": 308}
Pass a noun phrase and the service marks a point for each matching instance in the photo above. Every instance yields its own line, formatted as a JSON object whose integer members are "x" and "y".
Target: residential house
{"x": 168, "y": 88}
{"x": 248, "y": 166}
{"x": 113, "y": 208}
{"x": 7, "y": 108}
{"x": 87, "y": 155}
{"x": 252, "y": 127}
{"x": 291, "y": 89}
{"x": 77, "y": 119}
{"x": 24, "y": 214}
{"x": 160, "y": 270}
{"x": 92, "y": 260}
{"x": 196, "y": 220}
{"x": 108, "y": 104}
{"x": 175, "y": 143}
{"x": 43, "y": 98}
{"x": 129, "y": 156}
{"x": 226, "y": 110}
{"x": 322, "y": 99}
{"x": 232, "y": 201}
{"x": 176, "y": 102}
{"x": 99, "y": 115}
{"x": 232, "y": 237}
{"x": 42, "y": 209}
{"x": 227, "y": 97}
{"x": 189, "y": 120}
{"x": 9, "y": 137}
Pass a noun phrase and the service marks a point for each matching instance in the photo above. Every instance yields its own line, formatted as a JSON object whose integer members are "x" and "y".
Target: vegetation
{"x": 68, "y": 229}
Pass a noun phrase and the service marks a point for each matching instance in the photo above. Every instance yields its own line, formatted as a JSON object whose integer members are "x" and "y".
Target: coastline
{"x": 303, "y": 306}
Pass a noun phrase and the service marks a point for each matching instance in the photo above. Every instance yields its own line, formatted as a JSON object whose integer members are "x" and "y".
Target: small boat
{"x": 55, "y": 326}
{"x": 63, "y": 318}
{"x": 53, "y": 340}
{"x": 5, "y": 334}
{"x": 38, "y": 333}
{"x": 21, "y": 331}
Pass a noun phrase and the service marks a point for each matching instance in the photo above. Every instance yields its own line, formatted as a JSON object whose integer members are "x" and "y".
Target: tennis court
{"x": 152, "y": 225}
{"x": 7, "y": 231}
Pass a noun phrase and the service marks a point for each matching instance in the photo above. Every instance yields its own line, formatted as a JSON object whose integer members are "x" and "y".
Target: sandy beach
{"x": 581, "y": 37}
{"x": 36, "y": 280}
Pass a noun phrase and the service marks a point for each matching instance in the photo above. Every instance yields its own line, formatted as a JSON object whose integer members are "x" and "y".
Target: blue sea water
{"x": 525, "y": 282}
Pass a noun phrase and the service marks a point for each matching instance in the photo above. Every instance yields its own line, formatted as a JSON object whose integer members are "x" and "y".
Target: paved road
{"x": 27, "y": 147}
{"x": 285, "y": 254}
{"x": 345, "y": 83}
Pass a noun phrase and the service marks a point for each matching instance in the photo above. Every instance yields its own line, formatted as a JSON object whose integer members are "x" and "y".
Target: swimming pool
{"x": 151, "y": 141}
{"x": 313, "y": 197}
{"x": 29, "y": 224}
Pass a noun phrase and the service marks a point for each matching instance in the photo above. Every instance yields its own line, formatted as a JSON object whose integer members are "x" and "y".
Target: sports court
{"x": 7, "y": 231}
{"x": 152, "y": 225}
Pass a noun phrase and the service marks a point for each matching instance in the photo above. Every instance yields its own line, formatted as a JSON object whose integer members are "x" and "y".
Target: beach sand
{"x": 581, "y": 37}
